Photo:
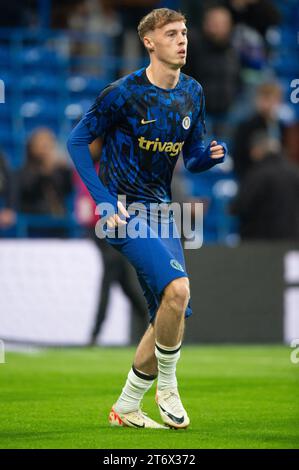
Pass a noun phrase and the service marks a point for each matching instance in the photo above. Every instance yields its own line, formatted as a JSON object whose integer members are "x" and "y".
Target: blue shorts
{"x": 157, "y": 262}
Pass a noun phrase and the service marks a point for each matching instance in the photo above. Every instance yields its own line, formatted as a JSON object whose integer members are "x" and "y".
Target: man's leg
{"x": 170, "y": 316}
{"x": 141, "y": 376}
{"x": 126, "y": 411}
{"x": 169, "y": 334}
{"x": 168, "y": 329}
{"x": 145, "y": 359}
{"x": 158, "y": 349}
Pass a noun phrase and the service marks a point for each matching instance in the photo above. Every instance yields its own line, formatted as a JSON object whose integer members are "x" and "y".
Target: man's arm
{"x": 99, "y": 119}
{"x": 197, "y": 158}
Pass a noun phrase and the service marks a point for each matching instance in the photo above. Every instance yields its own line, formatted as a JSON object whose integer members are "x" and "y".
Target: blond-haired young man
{"x": 147, "y": 118}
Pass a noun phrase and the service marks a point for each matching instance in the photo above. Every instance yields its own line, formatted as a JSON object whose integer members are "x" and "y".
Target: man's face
{"x": 43, "y": 145}
{"x": 218, "y": 25}
{"x": 169, "y": 44}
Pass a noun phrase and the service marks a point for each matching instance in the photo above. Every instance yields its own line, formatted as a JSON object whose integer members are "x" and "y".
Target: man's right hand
{"x": 114, "y": 220}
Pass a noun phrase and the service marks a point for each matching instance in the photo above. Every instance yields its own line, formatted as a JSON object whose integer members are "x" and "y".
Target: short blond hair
{"x": 157, "y": 19}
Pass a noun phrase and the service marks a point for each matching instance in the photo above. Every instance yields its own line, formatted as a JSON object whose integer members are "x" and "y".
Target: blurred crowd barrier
{"x": 49, "y": 294}
{"x": 246, "y": 294}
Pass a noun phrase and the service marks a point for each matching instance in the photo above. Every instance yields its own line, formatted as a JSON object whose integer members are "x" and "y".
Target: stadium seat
{"x": 40, "y": 113}
{"x": 84, "y": 87}
{"x": 5, "y": 57}
{"x": 74, "y": 110}
{"x": 41, "y": 85}
{"x": 286, "y": 65}
{"x": 9, "y": 80}
{"x": 38, "y": 58}
{"x": 281, "y": 38}
{"x": 9, "y": 146}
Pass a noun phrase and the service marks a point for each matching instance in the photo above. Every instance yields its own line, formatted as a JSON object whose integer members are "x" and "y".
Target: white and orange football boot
{"x": 171, "y": 409}
{"x": 135, "y": 419}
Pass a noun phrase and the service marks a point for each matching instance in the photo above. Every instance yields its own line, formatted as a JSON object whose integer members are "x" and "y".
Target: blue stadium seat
{"x": 5, "y": 57}
{"x": 9, "y": 144}
{"x": 286, "y": 66}
{"x": 40, "y": 113}
{"x": 6, "y": 122}
{"x": 9, "y": 80}
{"x": 283, "y": 38}
{"x": 38, "y": 58}
{"x": 74, "y": 110}
{"x": 84, "y": 87}
{"x": 5, "y": 125}
{"x": 5, "y": 110}
{"x": 41, "y": 85}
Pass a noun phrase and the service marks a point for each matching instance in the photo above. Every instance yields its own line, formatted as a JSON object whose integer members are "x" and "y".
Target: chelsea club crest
{"x": 186, "y": 122}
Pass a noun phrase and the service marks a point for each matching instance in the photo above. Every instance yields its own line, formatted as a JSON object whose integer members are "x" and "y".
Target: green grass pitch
{"x": 236, "y": 396}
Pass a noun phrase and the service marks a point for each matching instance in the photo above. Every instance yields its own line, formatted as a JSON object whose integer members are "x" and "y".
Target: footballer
{"x": 147, "y": 119}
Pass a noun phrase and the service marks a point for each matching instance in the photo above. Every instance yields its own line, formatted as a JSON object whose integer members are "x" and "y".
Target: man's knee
{"x": 177, "y": 293}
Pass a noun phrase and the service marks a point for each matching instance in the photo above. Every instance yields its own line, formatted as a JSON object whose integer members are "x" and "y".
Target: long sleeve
{"x": 196, "y": 157}
{"x": 101, "y": 116}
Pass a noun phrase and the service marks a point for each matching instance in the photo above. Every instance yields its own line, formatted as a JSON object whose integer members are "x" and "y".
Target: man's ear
{"x": 148, "y": 44}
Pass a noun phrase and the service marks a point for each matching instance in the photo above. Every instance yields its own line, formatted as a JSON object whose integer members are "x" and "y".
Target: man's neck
{"x": 162, "y": 76}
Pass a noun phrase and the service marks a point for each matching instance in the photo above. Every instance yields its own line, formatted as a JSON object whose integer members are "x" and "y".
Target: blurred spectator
{"x": 265, "y": 118}
{"x": 128, "y": 46}
{"x": 259, "y": 14}
{"x": 268, "y": 198}
{"x": 116, "y": 268}
{"x": 45, "y": 181}
{"x": 98, "y": 26}
{"x": 252, "y": 19}
{"x": 7, "y": 199}
{"x": 193, "y": 11}
{"x": 214, "y": 63}
{"x": 61, "y": 10}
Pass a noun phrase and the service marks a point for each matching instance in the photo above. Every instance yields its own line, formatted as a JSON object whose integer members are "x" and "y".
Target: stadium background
{"x": 55, "y": 57}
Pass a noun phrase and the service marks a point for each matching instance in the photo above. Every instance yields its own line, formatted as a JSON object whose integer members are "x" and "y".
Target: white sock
{"x": 136, "y": 386}
{"x": 167, "y": 359}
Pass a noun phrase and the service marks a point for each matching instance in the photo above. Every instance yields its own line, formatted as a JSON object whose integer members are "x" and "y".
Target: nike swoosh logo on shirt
{"x": 174, "y": 418}
{"x": 147, "y": 122}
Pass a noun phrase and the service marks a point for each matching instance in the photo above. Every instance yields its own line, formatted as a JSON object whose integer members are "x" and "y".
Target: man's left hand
{"x": 216, "y": 150}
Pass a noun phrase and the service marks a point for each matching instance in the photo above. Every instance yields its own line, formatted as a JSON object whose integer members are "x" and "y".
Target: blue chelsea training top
{"x": 144, "y": 129}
